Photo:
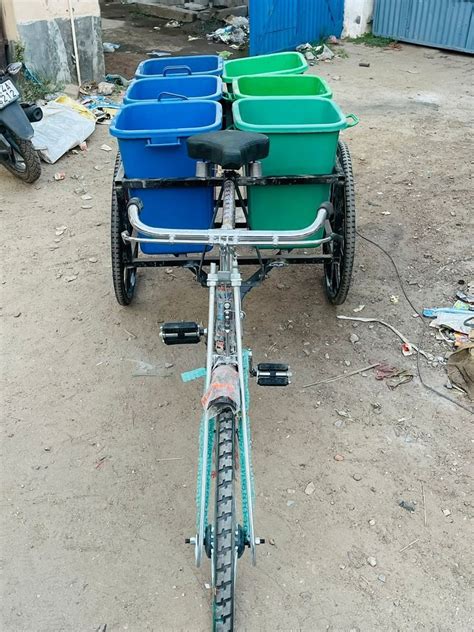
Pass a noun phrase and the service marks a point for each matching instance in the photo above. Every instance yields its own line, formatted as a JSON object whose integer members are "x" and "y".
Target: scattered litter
{"x": 105, "y": 88}
{"x": 381, "y": 578}
{"x": 105, "y": 147}
{"x": 235, "y": 33}
{"x": 357, "y": 477}
{"x": 319, "y": 52}
{"x": 70, "y": 278}
{"x": 83, "y": 146}
{"x": 271, "y": 541}
{"x": 341, "y": 376}
{"x": 63, "y": 127}
{"x": 394, "y": 376}
{"x": 358, "y": 309}
{"x": 406, "y": 505}
{"x": 461, "y": 369}
{"x": 144, "y": 369}
{"x": 99, "y": 167}
{"x": 310, "y": 488}
{"x": 86, "y": 206}
{"x": 109, "y": 47}
{"x": 172, "y": 24}
{"x": 409, "y": 347}
{"x": 290, "y": 503}
{"x": 340, "y": 423}
{"x": 100, "y": 462}
{"x": 100, "y": 107}
{"x": 118, "y": 80}
{"x": 371, "y": 561}
{"x": 159, "y": 53}
{"x": 394, "y": 299}
{"x": 192, "y": 38}
{"x": 86, "y": 197}
{"x": 170, "y": 458}
{"x": 466, "y": 298}
{"x": 409, "y": 545}
{"x": 93, "y": 259}
{"x": 372, "y": 522}
{"x": 338, "y": 457}
{"x": 60, "y": 175}
{"x": 364, "y": 64}
{"x": 60, "y": 230}
{"x": 169, "y": 365}
{"x": 225, "y": 54}
{"x": 17, "y": 315}
{"x": 354, "y": 338}
{"x": 457, "y": 322}
{"x": 446, "y": 512}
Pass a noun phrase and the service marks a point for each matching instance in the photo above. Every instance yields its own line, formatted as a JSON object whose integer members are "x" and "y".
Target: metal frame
{"x": 265, "y": 260}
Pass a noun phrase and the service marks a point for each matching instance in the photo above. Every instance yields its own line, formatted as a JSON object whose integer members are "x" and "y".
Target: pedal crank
{"x": 181, "y": 333}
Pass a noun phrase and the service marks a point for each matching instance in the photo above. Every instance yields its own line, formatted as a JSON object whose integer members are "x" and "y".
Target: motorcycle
{"x": 17, "y": 153}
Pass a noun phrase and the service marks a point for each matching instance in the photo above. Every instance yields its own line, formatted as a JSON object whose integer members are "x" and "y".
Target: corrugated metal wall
{"x": 441, "y": 23}
{"x": 277, "y": 25}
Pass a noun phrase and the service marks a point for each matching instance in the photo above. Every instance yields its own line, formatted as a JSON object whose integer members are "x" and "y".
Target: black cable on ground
{"x": 427, "y": 386}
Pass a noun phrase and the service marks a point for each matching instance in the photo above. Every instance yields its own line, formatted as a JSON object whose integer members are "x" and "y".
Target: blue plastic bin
{"x": 195, "y": 65}
{"x": 152, "y": 142}
{"x": 201, "y": 87}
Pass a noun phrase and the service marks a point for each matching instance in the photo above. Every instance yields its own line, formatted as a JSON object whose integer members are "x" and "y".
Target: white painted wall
{"x": 357, "y": 17}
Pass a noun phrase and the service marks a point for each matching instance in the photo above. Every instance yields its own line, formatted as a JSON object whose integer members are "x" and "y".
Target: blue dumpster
{"x": 152, "y": 143}
{"x": 203, "y": 87}
{"x": 193, "y": 65}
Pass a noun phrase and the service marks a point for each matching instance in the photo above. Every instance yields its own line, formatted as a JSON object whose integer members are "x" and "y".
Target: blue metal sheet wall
{"x": 277, "y": 25}
{"x": 442, "y": 23}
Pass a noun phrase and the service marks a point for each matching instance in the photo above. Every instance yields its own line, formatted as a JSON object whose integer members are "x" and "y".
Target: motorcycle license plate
{"x": 8, "y": 93}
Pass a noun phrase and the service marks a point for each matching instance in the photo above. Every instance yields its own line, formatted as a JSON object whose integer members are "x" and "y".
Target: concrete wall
{"x": 357, "y": 17}
{"x": 44, "y": 28}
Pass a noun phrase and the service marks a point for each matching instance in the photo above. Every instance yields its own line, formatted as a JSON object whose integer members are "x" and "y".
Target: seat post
{"x": 255, "y": 169}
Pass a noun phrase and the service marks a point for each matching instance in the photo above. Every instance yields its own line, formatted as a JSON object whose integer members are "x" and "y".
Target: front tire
{"x": 224, "y": 541}
{"x": 24, "y": 161}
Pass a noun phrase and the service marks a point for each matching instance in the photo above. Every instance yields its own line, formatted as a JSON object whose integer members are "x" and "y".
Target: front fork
{"x": 229, "y": 276}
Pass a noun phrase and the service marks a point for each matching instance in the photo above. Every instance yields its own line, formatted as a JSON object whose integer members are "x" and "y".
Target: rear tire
{"x": 25, "y": 163}
{"x": 124, "y": 278}
{"x": 338, "y": 271}
{"x": 224, "y": 541}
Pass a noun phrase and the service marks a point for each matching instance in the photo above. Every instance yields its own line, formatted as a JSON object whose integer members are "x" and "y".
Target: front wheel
{"x": 225, "y": 525}
{"x": 23, "y": 161}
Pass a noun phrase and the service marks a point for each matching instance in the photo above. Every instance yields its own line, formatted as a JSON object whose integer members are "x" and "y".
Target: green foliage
{"x": 33, "y": 86}
{"x": 369, "y": 39}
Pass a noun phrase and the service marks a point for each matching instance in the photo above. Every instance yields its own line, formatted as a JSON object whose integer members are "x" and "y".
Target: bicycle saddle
{"x": 230, "y": 149}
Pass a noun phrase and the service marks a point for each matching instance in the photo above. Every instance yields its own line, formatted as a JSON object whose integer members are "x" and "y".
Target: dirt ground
{"x": 94, "y": 512}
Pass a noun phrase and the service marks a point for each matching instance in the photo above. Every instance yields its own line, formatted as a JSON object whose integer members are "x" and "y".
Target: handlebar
{"x": 234, "y": 237}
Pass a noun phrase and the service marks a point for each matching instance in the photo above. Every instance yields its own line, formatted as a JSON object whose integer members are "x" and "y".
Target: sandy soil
{"x": 93, "y": 519}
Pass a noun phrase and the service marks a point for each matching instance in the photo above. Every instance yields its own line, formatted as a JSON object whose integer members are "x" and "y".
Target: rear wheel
{"x": 338, "y": 271}
{"x": 224, "y": 541}
{"x": 24, "y": 161}
{"x": 124, "y": 277}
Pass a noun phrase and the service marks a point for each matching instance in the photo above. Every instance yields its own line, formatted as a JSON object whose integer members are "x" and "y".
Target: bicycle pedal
{"x": 182, "y": 333}
{"x": 273, "y": 374}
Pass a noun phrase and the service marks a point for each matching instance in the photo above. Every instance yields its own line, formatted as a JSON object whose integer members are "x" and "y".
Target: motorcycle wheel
{"x": 24, "y": 161}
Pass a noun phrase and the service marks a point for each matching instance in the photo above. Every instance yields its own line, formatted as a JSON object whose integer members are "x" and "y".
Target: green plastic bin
{"x": 303, "y": 134}
{"x": 291, "y": 63}
{"x": 281, "y": 86}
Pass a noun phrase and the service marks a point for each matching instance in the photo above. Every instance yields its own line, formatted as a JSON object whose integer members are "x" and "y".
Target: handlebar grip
{"x": 135, "y": 201}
